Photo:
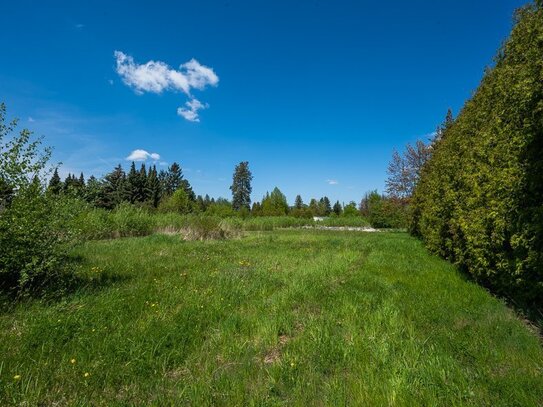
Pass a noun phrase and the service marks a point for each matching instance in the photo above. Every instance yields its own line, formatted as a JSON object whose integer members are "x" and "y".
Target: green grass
{"x": 277, "y": 318}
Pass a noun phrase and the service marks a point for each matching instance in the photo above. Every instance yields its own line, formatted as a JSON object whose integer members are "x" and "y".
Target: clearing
{"x": 298, "y": 317}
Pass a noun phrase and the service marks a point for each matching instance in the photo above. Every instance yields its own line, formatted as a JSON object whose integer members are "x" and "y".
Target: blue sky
{"x": 314, "y": 94}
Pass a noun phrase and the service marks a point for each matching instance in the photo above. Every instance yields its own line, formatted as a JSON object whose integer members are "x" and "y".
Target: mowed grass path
{"x": 302, "y": 318}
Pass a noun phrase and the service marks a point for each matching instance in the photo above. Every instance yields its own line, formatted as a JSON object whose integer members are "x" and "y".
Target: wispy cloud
{"x": 332, "y": 182}
{"x": 157, "y": 77}
{"x": 142, "y": 155}
{"x": 31, "y": 119}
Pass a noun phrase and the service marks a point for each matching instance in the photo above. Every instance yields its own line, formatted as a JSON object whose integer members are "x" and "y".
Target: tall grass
{"x": 278, "y": 318}
{"x": 128, "y": 220}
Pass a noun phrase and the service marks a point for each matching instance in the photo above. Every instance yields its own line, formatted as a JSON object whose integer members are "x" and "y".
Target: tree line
{"x": 168, "y": 190}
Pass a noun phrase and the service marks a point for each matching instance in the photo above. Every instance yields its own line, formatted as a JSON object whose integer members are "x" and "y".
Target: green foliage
{"x": 35, "y": 237}
{"x": 34, "y": 226}
{"x": 241, "y": 186}
{"x": 384, "y": 211}
{"x": 274, "y": 204}
{"x": 179, "y": 202}
{"x": 130, "y": 220}
{"x": 221, "y": 208}
{"x": 479, "y": 201}
{"x": 337, "y": 209}
{"x": 55, "y": 184}
{"x": 350, "y": 210}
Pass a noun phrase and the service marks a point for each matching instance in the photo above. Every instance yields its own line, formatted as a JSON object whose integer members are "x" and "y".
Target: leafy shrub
{"x": 35, "y": 237}
{"x": 384, "y": 211}
{"x": 129, "y": 220}
{"x": 178, "y": 202}
{"x": 35, "y": 234}
{"x": 95, "y": 223}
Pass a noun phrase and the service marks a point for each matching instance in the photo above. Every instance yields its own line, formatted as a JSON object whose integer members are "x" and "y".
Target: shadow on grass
{"x": 530, "y": 313}
{"x": 74, "y": 279}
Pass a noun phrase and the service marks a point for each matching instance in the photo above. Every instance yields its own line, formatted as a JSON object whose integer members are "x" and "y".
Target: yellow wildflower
{"x": 17, "y": 377}
{"x": 72, "y": 361}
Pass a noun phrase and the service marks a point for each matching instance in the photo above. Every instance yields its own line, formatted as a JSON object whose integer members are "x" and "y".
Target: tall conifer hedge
{"x": 479, "y": 201}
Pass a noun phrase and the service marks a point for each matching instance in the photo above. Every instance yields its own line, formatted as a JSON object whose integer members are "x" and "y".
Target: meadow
{"x": 283, "y": 317}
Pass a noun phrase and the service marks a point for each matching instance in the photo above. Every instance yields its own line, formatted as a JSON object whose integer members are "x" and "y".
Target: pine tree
{"x": 241, "y": 186}
{"x": 327, "y": 208}
{"x": 173, "y": 179}
{"x": 337, "y": 209}
{"x": 143, "y": 190}
{"x": 153, "y": 187}
{"x": 55, "y": 184}
{"x": 114, "y": 189}
{"x": 298, "y": 203}
{"x": 81, "y": 180}
{"x": 132, "y": 180}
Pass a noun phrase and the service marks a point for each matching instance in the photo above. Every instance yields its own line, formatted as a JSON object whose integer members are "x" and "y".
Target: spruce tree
{"x": 337, "y": 209}
{"x": 81, "y": 180}
{"x": 173, "y": 179}
{"x": 241, "y": 186}
{"x": 132, "y": 181}
{"x": 153, "y": 187}
{"x": 327, "y": 208}
{"x": 55, "y": 184}
{"x": 114, "y": 189}
{"x": 298, "y": 203}
{"x": 143, "y": 190}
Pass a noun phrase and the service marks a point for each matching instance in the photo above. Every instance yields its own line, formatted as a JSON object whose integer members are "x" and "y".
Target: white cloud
{"x": 142, "y": 155}
{"x": 332, "y": 182}
{"x": 31, "y": 119}
{"x": 191, "y": 111}
{"x": 157, "y": 76}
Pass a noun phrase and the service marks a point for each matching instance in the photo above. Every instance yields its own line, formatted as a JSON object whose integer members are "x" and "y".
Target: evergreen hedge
{"x": 479, "y": 201}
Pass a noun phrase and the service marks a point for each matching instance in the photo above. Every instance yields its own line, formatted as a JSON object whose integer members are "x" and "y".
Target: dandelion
{"x": 72, "y": 361}
{"x": 17, "y": 377}
{"x": 291, "y": 364}
{"x": 87, "y": 374}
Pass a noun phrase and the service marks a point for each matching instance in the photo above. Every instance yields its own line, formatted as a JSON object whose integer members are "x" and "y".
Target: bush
{"x": 94, "y": 223}
{"x": 35, "y": 234}
{"x": 129, "y": 220}
{"x": 35, "y": 237}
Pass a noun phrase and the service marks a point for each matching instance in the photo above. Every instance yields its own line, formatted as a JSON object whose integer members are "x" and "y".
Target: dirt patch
{"x": 274, "y": 354}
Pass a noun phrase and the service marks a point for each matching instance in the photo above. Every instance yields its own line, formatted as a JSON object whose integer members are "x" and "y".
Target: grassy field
{"x": 277, "y": 318}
